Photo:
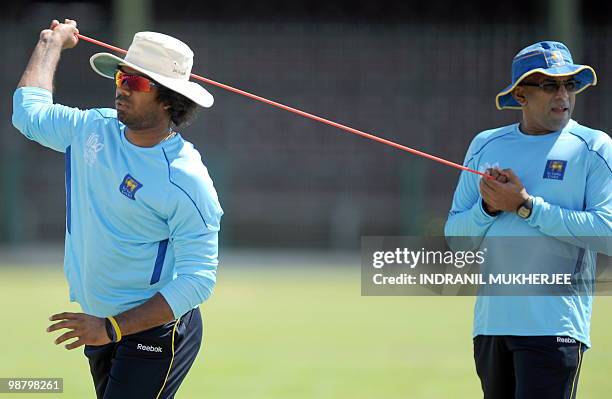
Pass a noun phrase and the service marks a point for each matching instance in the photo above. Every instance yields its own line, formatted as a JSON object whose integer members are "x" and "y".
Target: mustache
{"x": 121, "y": 98}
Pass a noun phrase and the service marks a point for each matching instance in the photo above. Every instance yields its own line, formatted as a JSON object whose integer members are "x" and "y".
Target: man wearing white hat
{"x": 142, "y": 215}
{"x": 556, "y": 189}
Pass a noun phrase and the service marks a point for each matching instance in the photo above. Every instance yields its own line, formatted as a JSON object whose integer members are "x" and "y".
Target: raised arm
{"x": 43, "y": 62}
{"x": 34, "y": 113}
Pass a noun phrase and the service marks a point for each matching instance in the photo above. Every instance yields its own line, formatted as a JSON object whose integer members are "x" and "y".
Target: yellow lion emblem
{"x": 131, "y": 184}
{"x": 556, "y": 166}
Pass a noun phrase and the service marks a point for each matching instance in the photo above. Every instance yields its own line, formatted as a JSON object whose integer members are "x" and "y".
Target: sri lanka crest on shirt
{"x": 555, "y": 169}
{"x": 129, "y": 186}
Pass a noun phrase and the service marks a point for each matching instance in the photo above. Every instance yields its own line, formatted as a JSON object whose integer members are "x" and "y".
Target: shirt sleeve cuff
{"x": 538, "y": 206}
{"x": 188, "y": 291}
{"x": 39, "y": 91}
{"x": 177, "y": 300}
{"x": 481, "y": 215}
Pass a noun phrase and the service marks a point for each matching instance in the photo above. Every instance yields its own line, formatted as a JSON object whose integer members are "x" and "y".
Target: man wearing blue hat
{"x": 556, "y": 188}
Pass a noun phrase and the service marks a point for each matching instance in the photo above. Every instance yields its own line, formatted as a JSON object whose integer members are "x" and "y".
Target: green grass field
{"x": 298, "y": 332}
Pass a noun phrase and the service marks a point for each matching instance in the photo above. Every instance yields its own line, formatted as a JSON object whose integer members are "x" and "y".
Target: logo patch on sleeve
{"x": 555, "y": 169}
{"x": 129, "y": 186}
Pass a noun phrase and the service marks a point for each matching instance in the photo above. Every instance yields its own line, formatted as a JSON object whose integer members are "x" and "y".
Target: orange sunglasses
{"x": 133, "y": 82}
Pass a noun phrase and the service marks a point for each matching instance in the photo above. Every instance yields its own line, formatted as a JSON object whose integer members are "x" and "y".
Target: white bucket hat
{"x": 163, "y": 58}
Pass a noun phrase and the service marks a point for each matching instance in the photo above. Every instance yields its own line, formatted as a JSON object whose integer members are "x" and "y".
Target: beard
{"x": 136, "y": 118}
{"x": 138, "y": 122}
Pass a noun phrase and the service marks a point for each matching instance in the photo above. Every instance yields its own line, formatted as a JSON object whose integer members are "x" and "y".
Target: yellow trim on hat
{"x": 543, "y": 72}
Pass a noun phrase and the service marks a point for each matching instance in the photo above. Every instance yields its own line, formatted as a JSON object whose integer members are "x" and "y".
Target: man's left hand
{"x": 504, "y": 196}
{"x": 89, "y": 330}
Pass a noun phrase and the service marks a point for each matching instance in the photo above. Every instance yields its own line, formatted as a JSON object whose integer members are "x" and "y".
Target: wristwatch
{"x": 524, "y": 210}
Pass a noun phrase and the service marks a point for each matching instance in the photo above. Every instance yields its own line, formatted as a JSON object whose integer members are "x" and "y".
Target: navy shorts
{"x": 534, "y": 367}
{"x": 147, "y": 365}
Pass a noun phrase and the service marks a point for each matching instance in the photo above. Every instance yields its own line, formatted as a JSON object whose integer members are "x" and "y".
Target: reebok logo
{"x": 149, "y": 348}
{"x": 563, "y": 340}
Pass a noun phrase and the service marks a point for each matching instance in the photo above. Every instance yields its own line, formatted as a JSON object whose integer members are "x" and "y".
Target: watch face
{"x": 524, "y": 212}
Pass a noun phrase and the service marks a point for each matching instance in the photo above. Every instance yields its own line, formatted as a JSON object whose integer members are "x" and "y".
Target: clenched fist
{"x": 65, "y": 33}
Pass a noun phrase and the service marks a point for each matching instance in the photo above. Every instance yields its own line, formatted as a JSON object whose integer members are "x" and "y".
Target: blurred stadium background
{"x": 287, "y": 320}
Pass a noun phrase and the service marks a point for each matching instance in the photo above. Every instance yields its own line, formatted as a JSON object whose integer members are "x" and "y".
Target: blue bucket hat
{"x": 547, "y": 58}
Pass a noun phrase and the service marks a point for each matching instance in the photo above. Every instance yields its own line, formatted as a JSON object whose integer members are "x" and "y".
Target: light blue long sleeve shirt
{"x": 138, "y": 220}
{"x": 569, "y": 174}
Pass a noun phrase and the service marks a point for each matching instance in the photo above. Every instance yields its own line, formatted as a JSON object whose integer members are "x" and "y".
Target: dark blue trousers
{"x": 148, "y": 365}
{"x": 534, "y": 367}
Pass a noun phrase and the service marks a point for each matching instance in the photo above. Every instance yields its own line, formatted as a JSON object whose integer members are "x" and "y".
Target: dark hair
{"x": 182, "y": 110}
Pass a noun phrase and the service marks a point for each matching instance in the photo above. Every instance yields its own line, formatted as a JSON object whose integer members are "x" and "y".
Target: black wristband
{"x": 110, "y": 331}
{"x": 484, "y": 208}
